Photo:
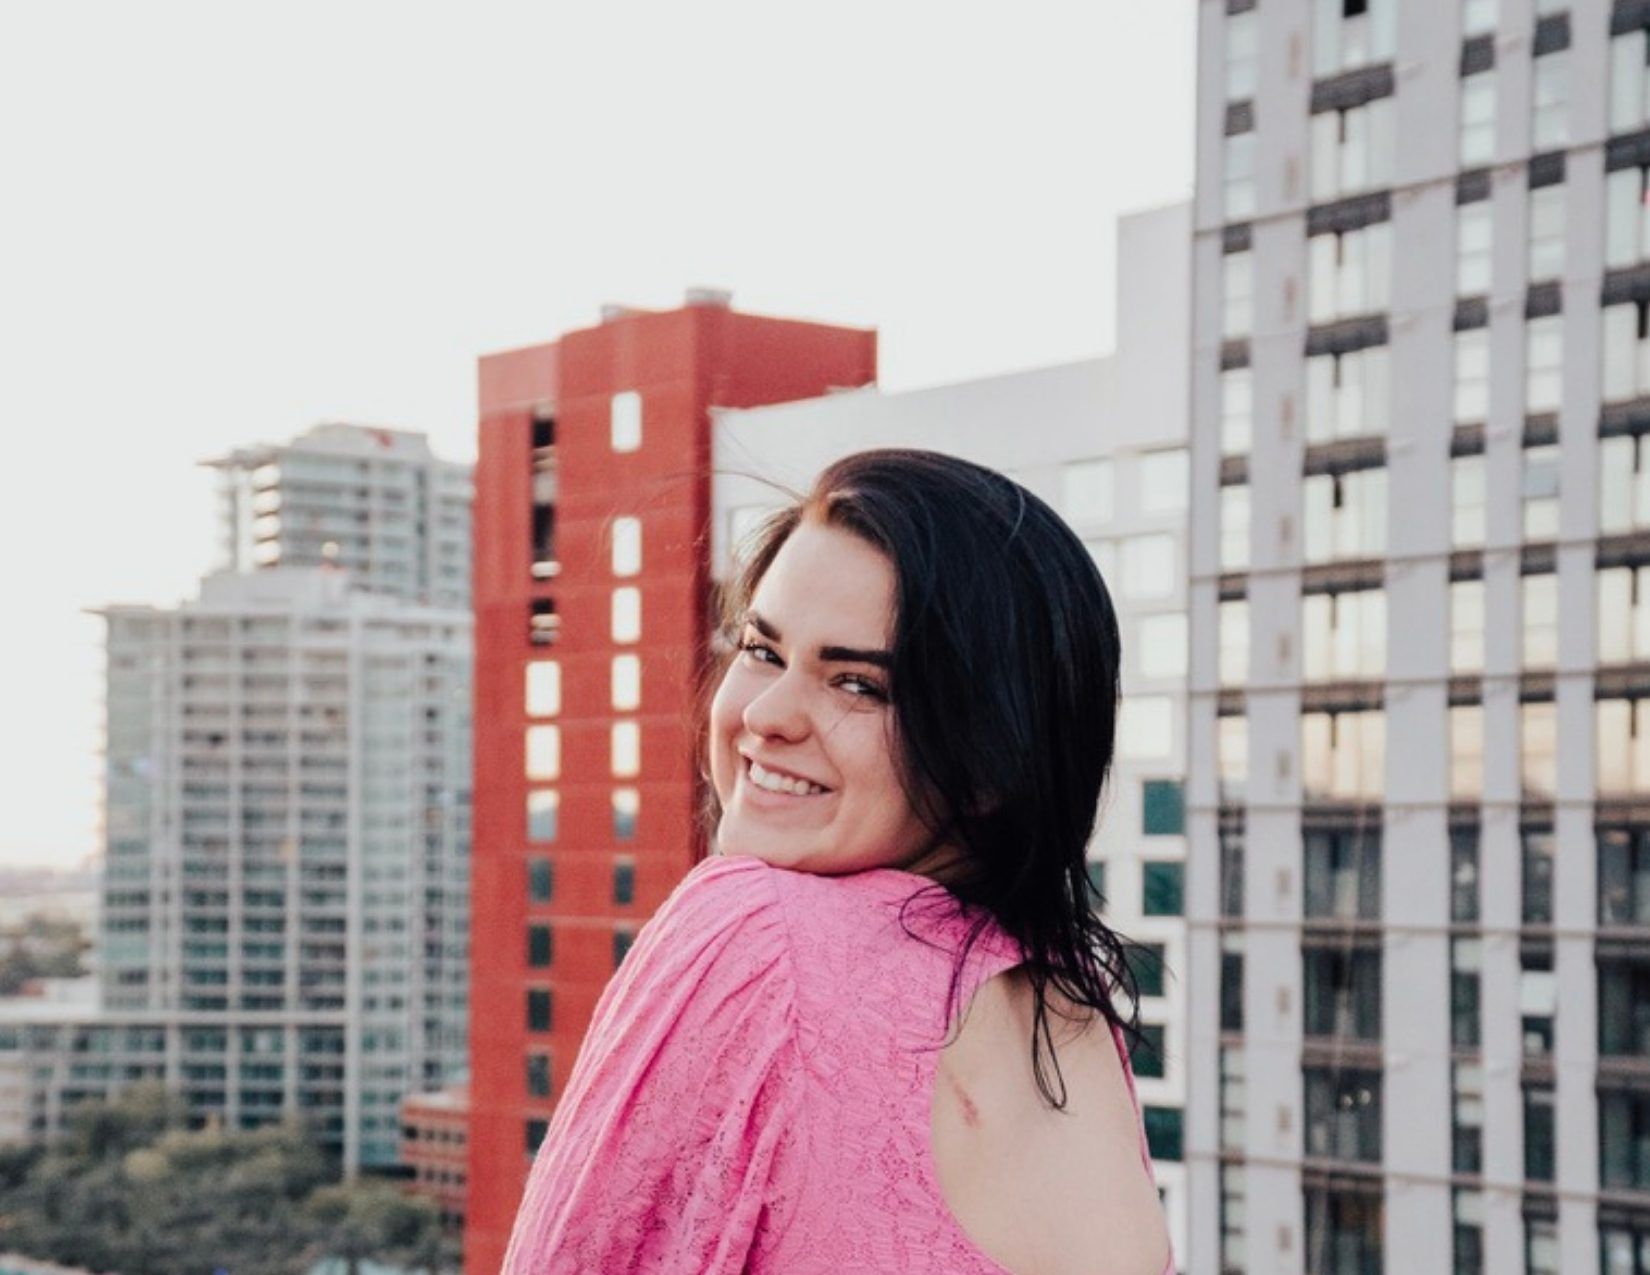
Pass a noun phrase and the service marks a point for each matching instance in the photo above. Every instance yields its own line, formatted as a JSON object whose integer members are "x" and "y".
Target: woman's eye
{"x": 758, "y": 652}
{"x": 864, "y": 688}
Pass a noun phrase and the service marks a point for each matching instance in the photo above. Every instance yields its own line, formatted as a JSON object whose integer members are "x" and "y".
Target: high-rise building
{"x": 592, "y": 604}
{"x": 376, "y": 502}
{"x": 1419, "y": 786}
{"x": 287, "y": 843}
{"x": 1104, "y": 443}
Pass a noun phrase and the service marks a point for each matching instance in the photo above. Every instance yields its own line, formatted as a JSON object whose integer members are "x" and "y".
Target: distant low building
{"x": 434, "y": 1147}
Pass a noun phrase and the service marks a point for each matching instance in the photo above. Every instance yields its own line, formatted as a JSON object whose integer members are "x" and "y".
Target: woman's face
{"x": 802, "y": 748}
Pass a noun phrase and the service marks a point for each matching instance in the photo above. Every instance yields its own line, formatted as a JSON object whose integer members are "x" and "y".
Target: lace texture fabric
{"x": 754, "y": 1091}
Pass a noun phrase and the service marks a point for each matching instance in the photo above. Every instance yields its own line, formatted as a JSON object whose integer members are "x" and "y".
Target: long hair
{"x": 1004, "y": 687}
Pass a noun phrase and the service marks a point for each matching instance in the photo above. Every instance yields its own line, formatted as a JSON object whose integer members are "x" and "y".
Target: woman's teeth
{"x": 771, "y": 782}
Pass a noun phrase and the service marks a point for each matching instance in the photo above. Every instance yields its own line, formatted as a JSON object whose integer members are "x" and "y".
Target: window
{"x": 1232, "y": 756}
{"x": 1146, "y": 1055}
{"x": 627, "y": 682}
{"x": 1234, "y": 528}
{"x": 1623, "y": 745}
{"x": 544, "y": 752}
{"x": 1537, "y": 1001}
{"x": 1467, "y": 511}
{"x": 1343, "y": 1114}
{"x": 1163, "y": 808}
{"x": 1352, "y": 150}
{"x": 544, "y": 625}
{"x": 626, "y": 419}
{"x": 1344, "y": 635}
{"x": 1539, "y": 1125}
{"x": 538, "y": 1009}
{"x": 1474, "y": 248}
{"x": 1231, "y": 981}
{"x": 542, "y": 808}
{"x": 1231, "y": 871}
{"x": 1478, "y": 119}
{"x": 538, "y": 1075}
{"x": 1161, "y": 643}
{"x": 1624, "y": 877}
{"x": 538, "y": 945}
{"x": 1536, "y": 880}
{"x": 1347, "y": 34}
{"x": 1544, "y": 364}
{"x": 623, "y": 939}
{"x": 1238, "y": 294}
{"x": 1342, "y": 878}
{"x": 1342, "y": 993}
{"x": 1626, "y": 351}
{"x": 1472, "y": 375}
{"x": 1097, "y": 880}
{"x": 1163, "y": 1132}
{"x": 1467, "y": 1135}
{"x": 1624, "y": 483}
{"x": 1087, "y": 489}
{"x": 543, "y": 688}
{"x": 1478, "y": 17}
{"x": 1550, "y": 103}
{"x": 1624, "y": 1146}
{"x": 1242, "y": 55}
{"x": 627, "y": 806}
{"x": 1629, "y": 103}
{"x": 1349, "y": 272}
{"x": 1540, "y": 620}
{"x": 1538, "y": 749}
{"x": 1234, "y": 1243}
{"x": 1468, "y": 1210}
{"x": 1238, "y": 181}
{"x": 627, "y": 614}
{"x": 1463, "y": 875}
{"x": 1162, "y": 888}
{"x": 627, "y": 546}
{"x": 1237, "y": 410}
{"x": 535, "y": 1132}
{"x": 1466, "y": 1018}
{"x": 1624, "y": 1009}
{"x": 1164, "y": 479}
{"x": 1546, "y": 233}
{"x": 1147, "y": 962}
{"x": 626, "y": 750}
{"x": 624, "y": 881}
{"x": 1347, "y": 395}
{"x": 1626, "y": 216}
{"x": 1345, "y": 515}
{"x": 1343, "y": 755}
{"x": 1233, "y": 622}
{"x": 1146, "y": 728}
{"x": 540, "y": 880}
{"x": 1466, "y": 752}
{"x": 1466, "y": 626}
{"x": 1150, "y": 567}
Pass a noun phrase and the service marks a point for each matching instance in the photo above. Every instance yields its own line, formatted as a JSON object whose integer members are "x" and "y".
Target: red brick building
{"x": 434, "y": 1130}
{"x": 592, "y": 596}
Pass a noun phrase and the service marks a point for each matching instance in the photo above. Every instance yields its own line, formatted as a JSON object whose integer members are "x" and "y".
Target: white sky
{"x": 221, "y": 223}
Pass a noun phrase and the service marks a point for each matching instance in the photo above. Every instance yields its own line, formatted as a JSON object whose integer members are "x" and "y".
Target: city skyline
{"x": 344, "y": 252}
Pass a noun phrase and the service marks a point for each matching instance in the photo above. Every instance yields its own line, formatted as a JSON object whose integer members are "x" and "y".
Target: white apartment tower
{"x": 1419, "y": 710}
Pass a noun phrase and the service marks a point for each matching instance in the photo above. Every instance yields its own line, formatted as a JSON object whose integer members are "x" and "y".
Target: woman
{"x": 905, "y": 752}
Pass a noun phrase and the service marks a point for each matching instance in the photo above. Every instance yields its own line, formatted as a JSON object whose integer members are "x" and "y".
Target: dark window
{"x": 540, "y": 881}
{"x": 1538, "y": 878}
{"x": 627, "y": 804}
{"x": 1467, "y": 1119}
{"x": 1343, "y": 1114}
{"x": 538, "y": 1075}
{"x": 1343, "y": 1232}
{"x": 536, "y": 1129}
{"x": 1163, "y": 1131}
{"x": 1624, "y": 877}
{"x": 1343, "y": 875}
{"x": 1147, "y": 1054}
{"x": 624, "y": 881}
{"x": 545, "y": 626}
{"x": 1469, "y": 1242}
{"x": 1624, "y": 1006}
{"x": 1624, "y": 1140}
{"x": 1465, "y": 1016}
{"x": 1163, "y": 808}
{"x": 1354, "y": 8}
{"x": 1538, "y": 1133}
{"x": 538, "y": 945}
{"x": 1231, "y": 872}
{"x": 1342, "y": 994}
{"x": 1146, "y": 961}
{"x": 538, "y": 1009}
{"x": 1097, "y": 879}
{"x": 1162, "y": 888}
{"x": 1231, "y": 991}
{"x": 622, "y": 939}
{"x": 1463, "y": 875}
{"x": 1537, "y": 994}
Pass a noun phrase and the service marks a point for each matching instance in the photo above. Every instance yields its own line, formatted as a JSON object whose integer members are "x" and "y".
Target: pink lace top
{"x": 754, "y": 1091}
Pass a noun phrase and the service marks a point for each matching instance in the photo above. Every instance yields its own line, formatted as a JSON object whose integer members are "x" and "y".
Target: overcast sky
{"x": 222, "y": 223}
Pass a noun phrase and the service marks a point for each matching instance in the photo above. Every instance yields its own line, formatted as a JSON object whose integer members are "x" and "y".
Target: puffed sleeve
{"x": 685, "y": 1091}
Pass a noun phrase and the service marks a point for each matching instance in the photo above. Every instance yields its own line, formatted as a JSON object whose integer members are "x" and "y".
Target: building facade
{"x": 1104, "y": 443}
{"x": 1419, "y": 775}
{"x": 592, "y": 598}
{"x": 287, "y": 832}
{"x": 375, "y": 502}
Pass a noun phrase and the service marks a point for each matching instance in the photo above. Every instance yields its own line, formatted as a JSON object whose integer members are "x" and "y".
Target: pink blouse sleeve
{"x": 687, "y": 1086}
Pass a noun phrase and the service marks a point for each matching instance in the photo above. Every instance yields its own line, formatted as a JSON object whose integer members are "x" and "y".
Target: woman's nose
{"x": 779, "y": 709}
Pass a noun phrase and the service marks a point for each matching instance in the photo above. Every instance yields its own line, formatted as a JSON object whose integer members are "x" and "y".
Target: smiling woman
{"x": 832, "y": 1048}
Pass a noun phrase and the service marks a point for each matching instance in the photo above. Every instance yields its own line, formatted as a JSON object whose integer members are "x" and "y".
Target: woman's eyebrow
{"x": 827, "y": 654}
